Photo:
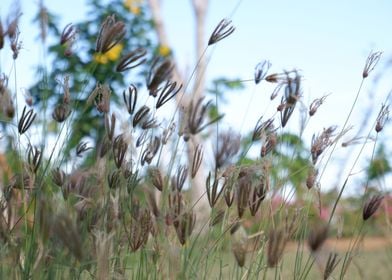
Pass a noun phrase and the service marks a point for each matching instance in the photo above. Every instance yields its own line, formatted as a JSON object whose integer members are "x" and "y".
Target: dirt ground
{"x": 367, "y": 244}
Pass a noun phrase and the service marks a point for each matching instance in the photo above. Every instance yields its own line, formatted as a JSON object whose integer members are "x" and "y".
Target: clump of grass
{"x": 130, "y": 212}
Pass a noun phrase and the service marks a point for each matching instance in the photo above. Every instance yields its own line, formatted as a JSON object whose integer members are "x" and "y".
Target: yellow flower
{"x": 113, "y": 54}
{"x": 133, "y": 6}
{"x": 164, "y": 50}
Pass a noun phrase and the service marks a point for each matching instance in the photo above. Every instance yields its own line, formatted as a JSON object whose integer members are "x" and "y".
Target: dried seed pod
{"x": 332, "y": 263}
{"x": 276, "y": 243}
{"x": 312, "y": 176}
{"x": 120, "y": 148}
{"x": 214, "y": 189}
{"x": 382, "y": 118}
{"x": 317, "y": 236}
{"x": 110, "y": 34}
{"x": 151, "y": 150}
{"x": 81, "y": 148}
{"x": 184, "y": 225}
{"x": 197, "y": 159}
{"x": 131, "y": 60}
{"x": 371, "y": 62}
{"x": 179, "y": 180}
{"x": 221, "y": 31}
{"x": 239, "y": 244}
{"x": 228, "y": 145}
{"x": 61, "y": 112}
{"x": 26, "y": 120}
{"x": 130, "y": 98}
{"x": 315, "y": 105}
{"x": 261, "y": 70}
{"x": 262, "y": 128}
{"x": 141, "y": 115}
{"x": 371, "y": 206}
{"x": 217, "y": 218}
{"x": 243, "y": 188}
{"x": 68, "y": 34}
{"x": 196, "y": 114}
{"x": 321, "y": 142}
{"x": 140, "y": 228}
{"x": 110, "y": 126}
{"x": 156, "y": 178}
{"x": 161, "y": 70}
{"x": 168, "y": 91}
{"x": 114, "y": 179}
{"x": 34, "y": 157}
{"x": 58, "y": 177}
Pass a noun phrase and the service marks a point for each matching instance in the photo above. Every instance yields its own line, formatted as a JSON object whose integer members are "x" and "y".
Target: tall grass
{"x": 129, "y": 213}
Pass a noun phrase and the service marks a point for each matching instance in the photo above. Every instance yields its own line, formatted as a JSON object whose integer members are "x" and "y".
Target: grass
{"x": 123, "y": 205}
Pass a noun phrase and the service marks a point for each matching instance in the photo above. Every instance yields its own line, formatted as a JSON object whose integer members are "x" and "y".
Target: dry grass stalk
{"x": 167, "y": 92}
{"x": 214, "y": 190}
{"x": 382, "y": 118}
{"x": 130, "y": 98}
{"x": 221, "y": 31}
{"x": 160, "y": 71}
{"x": 332, "y": 263}
{"x": 197, "y": 159}
{"x": 316, "y": 104}
{"x": 239, "y": 243}
{"x": 371, "y": 62}
{"x": 227, "y": 147}
{"x": 131, "y": 60}
{"x": 103, "y": 251}
{"x": 371, "y": 206}
{"x": 276, "y": 243}
{"x": 26, "y": 120}
{"x": 321, "y": 142}
{"x": 156, "y": 178}
{"x": 110, "y": 34}
{"x": 261, "y": 70}
{"x": 317, "y": 236}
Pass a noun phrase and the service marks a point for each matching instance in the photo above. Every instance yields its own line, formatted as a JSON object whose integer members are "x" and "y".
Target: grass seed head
{"x": 371, "y": 206}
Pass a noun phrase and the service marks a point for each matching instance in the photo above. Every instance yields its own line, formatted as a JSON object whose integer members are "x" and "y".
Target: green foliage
{"x": 380, "y": 165}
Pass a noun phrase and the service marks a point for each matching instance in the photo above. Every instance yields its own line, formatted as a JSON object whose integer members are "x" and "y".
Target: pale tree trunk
{"x": 199, "y": 197}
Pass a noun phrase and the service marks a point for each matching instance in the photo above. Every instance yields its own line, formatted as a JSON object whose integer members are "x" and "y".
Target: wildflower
{"x": 112, "y": 55}
{"x": 289, "y": 100}
{"x": 371, "y": 63}
{"x": 261, "y": 70}
{"x": 141, "y": 225}
{"x": 223, "y": 29}
{"x": 101, "y": 97}
{"x": 371, "y": 206}
{"x": 134, "y": 6}
{"x": 164, "y": 50}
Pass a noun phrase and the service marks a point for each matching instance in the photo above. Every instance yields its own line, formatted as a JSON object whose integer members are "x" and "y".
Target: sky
{"x": 328, "y": 41}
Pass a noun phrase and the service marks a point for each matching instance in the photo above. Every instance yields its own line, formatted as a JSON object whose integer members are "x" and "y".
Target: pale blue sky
{"x": 327, "y": 40}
